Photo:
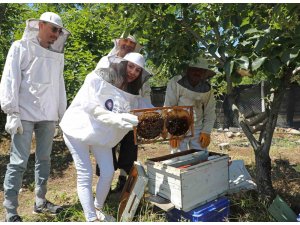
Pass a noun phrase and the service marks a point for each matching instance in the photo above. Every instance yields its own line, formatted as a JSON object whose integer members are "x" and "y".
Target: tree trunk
{"x": 263, "y": 174}
{"x": 262, "y": 152}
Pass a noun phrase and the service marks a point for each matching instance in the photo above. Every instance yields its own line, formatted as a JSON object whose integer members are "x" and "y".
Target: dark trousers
{"x": 127, "y": 155}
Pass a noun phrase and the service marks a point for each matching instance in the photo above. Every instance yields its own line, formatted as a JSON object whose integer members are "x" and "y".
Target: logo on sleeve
{"x": 109, "y": 104}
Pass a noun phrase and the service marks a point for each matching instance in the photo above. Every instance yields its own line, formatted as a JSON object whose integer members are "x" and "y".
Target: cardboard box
{"x": 132, "y": 192}
{"x": 214, "y": 211}
{"x": 188, "y": 186}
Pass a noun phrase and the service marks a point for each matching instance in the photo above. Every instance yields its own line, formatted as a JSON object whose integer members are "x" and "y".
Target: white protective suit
{"x": 203, "y": 104}
{"x": 32, "y": 82}
{"x": 80, "y": 121}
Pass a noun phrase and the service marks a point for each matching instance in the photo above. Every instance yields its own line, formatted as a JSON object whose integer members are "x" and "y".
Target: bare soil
{"x": 285, "y": 155}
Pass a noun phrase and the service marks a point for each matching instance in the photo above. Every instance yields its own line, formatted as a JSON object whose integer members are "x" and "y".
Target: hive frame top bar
{"x": 190, "y": 133}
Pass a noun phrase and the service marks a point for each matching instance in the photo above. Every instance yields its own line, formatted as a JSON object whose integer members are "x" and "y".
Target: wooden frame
{"x": 164, "y": 135}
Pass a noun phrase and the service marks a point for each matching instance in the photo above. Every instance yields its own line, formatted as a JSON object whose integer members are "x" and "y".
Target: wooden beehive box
{"x": 188, "y": 186}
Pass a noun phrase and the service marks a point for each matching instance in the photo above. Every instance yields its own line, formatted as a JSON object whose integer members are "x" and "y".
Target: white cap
{"x": 53, "y": 18}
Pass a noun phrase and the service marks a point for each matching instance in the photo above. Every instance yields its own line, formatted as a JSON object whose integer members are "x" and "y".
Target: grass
{"x": 244, "y": 206}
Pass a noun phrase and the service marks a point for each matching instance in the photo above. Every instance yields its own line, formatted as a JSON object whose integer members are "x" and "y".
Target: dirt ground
{"x": 285, "y": 154}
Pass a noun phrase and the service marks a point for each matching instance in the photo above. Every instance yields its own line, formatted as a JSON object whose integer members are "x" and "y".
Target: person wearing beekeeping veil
{"x": 193, "y": 89}
{"x": 128, "y": 151}
{"x": 97, "y": 120}
{"x": 32, "y": 94}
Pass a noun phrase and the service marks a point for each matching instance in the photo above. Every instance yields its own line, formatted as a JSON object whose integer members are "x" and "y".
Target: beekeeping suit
{"x": 32, "y": 84}
{"x": 99, "y": 114}
{"x": 180, "y": 93}
{"x": 32, "y": 94}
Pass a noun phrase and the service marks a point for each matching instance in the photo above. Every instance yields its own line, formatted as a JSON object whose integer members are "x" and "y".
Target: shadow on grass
{"x": 61, "y": 158}
{"x": 286, "y": 182}
{"x": 71, "y": 213}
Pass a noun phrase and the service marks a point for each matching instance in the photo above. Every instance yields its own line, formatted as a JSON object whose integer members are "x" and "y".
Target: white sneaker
{"x": 103, "y": 217}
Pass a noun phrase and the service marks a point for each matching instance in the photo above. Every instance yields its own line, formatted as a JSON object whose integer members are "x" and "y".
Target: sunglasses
{"x": 56, "y": 29}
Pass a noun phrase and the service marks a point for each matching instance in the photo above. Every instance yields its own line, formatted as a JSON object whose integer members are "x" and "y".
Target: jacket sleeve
{"x": 172, "y": 95}
{"x": 11, "y": 80}
{"x": 62, "y": 93}
{"x": 209, "y": 114}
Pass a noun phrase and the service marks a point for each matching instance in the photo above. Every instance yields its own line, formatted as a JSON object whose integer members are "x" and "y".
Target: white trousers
{"x": 81, "y": 156}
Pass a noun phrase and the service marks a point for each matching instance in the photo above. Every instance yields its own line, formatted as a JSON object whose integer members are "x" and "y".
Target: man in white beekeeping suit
{"x": 193, "y": 89}
{"x": 32, "y": 94}
{"x": 128, "y": 150}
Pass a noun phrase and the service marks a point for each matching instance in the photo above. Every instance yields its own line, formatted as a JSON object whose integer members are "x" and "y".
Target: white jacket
{"x": 203, "y": 103}
{"x": 32, "y": 82}
{"x": 79, "y": 120}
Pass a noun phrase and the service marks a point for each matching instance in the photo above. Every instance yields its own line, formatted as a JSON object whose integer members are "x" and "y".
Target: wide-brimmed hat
{"x": 52, "y": 18}
{"x": 135, "y": 58}
{"x": 202, "y": 64}
{"x": 137, "y": 48}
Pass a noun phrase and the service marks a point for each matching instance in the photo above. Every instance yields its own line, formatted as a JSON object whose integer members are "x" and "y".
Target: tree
{"x": 265, "y": 45}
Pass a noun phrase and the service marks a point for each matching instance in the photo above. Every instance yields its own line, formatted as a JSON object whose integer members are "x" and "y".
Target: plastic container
{"x": 214, "y": 211}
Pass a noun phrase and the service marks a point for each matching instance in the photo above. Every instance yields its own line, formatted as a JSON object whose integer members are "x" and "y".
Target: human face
{"x": 125, "y": 46}
{"x": 133, "y": 72}
{"x": 48, "y": 34}
{"x": 195, "y": 75}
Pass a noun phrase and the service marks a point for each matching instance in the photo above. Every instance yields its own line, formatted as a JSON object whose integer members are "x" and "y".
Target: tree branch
{"x": 245, "y": 128}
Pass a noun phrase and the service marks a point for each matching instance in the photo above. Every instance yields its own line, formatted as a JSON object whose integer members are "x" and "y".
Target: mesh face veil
{"x": 32, "y": 29}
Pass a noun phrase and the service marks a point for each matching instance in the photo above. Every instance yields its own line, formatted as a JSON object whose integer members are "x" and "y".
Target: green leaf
{"x": 251, "y": 31}
{"x": 236, "y": 20}
{"x": 260, "y": 43}
{"x": 257, "y": 63}
{"x": 289, "y": 54}
{"x": 243, "y": 62}
{"x": 273, "y": 65}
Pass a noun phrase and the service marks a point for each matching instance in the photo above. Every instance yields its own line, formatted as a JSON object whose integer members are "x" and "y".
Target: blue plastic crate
{"x": 214, "y": 211}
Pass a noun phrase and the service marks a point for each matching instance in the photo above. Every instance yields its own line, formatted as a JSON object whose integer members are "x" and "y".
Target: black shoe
{"x": 14, "y": 218}
{"x": 120, "y": 184}
{"x": 47, "y": 207}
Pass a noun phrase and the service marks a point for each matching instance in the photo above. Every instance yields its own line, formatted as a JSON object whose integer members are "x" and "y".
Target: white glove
{"x": 114, "y": 119}
{"x": 130, "y": 118}
{"x": 13, "y": 124}
{"x": 120, "y": 120}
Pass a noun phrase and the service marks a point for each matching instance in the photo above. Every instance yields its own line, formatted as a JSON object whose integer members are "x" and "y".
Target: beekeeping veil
{"x": 132, "y": 38}
{"x": 206, "y": 66}
{"x": 135, "y": 58}
{"x": 32, "y": 30}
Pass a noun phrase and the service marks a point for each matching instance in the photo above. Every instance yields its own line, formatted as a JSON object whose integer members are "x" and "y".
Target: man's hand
{"x": 13, "y": 124}
{"x": 204, "y": 140}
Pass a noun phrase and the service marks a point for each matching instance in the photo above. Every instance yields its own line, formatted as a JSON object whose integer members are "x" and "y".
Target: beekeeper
{"x": 97, "y": 120}
{"x": 32, "y": 94}
{"x": 128, "y": 150}
{"x": 193, "y": 89}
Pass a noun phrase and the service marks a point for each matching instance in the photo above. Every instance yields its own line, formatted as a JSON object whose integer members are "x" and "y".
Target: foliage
{"x": 247, "y": 42}
{"x": 11, "y": 16}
